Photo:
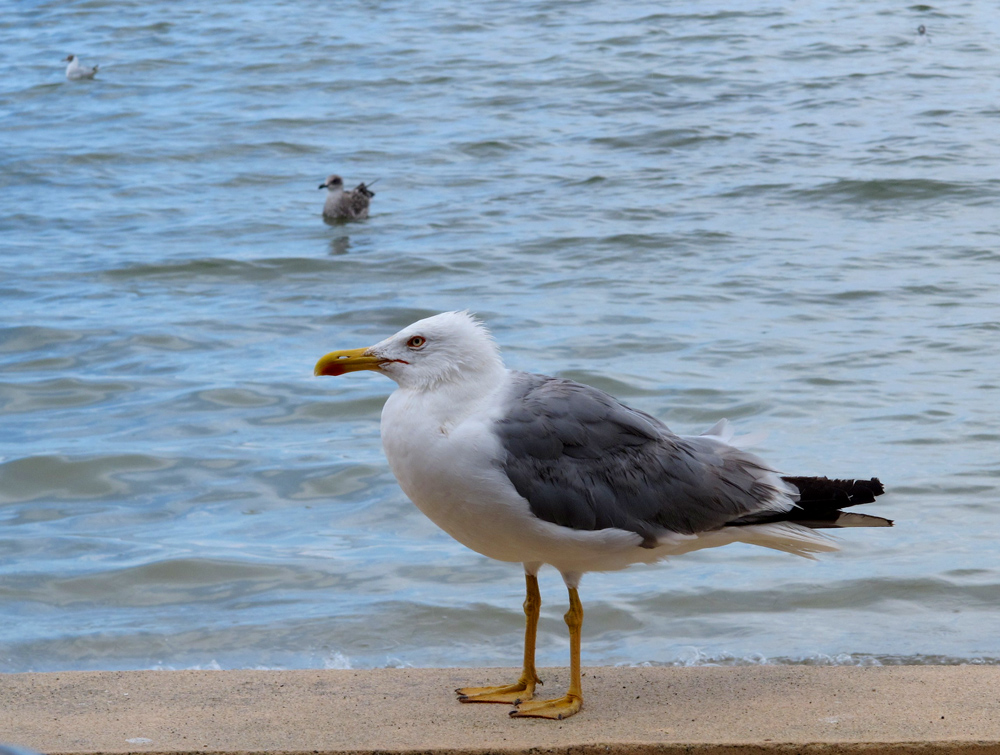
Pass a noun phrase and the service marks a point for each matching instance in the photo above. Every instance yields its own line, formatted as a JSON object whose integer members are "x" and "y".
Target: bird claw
{"x": 557, "y": 709}
{"x": 509, "y": 694}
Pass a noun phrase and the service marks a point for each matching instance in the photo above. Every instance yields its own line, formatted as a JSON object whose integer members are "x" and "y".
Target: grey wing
{"x": 585, "y": 461}
{"x": 360, "y": 200}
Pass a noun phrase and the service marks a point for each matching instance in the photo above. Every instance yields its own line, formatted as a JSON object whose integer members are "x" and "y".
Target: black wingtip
{"x": 824, "y": 492}
{"x": 820, "y": 502}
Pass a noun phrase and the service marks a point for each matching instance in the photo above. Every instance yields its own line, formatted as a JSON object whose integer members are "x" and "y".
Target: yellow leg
{"x": 523, "y": 688}
{"x": 572, "y": 701}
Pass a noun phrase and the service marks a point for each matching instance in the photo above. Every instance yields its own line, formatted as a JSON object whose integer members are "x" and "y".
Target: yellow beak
{"x": 348, "y": 360}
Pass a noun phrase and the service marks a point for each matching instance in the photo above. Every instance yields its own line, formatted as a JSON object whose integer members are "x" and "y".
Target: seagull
{"x": 922, "y": 36}
{"x": 75, "y": 71}
{"x": 537, "y": 470}
{"x": 345, "y": 205}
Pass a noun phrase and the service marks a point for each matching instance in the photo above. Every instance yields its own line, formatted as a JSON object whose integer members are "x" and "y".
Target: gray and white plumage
{"x": 537, "y": 469}
{"x": 345, "y": 205}
{"x": 583, "y": 460}
{"x": 75, "y": 71}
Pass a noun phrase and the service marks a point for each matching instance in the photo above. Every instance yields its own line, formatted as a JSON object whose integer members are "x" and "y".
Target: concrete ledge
{"x": 627, "y": 711}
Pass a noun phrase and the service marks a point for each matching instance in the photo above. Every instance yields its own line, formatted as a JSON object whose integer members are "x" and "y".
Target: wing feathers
{"x": 585, "y": 461}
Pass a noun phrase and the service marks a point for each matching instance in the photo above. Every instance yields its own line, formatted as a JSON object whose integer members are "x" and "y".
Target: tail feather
{"x": 822, "y": 492}
{"x": 820, "y": 502}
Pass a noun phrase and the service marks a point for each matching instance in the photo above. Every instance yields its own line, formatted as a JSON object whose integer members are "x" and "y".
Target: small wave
{"x": 488, "y": 148}
{"x": 897, "y": 189}
{"x": 662, "y": 140}
{"x": 212, "y": 665}
{"x": 336, "y": 660}
{"x": 213, "y": 267}
{"x": 66, "y": 478}
{"x": 21, "y": 338}
{"x": 696, "y": 657}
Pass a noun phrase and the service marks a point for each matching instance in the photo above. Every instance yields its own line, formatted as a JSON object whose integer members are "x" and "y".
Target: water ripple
{"x": 783, "y": 215}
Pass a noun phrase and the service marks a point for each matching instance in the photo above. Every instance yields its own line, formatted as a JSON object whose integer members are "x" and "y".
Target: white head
{"x": 446, "y": 348}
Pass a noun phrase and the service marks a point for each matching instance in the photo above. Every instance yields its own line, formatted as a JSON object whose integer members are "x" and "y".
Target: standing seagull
{"x": 345, "y": 205}
{"x": 540, "y": 470}
{"x": 75, "y": 71}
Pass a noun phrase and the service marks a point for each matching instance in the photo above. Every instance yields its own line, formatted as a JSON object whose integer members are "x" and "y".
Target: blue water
{"x": 781, "y": 214}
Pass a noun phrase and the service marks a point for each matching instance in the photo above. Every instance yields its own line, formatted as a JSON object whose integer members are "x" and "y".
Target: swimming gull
{"x": 345, "y": 205}
{"x": 76, "y": 71}
{"x": 540, "y": 470}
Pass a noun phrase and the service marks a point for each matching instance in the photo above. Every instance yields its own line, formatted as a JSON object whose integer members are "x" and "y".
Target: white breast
{"x": 449, "y": 465}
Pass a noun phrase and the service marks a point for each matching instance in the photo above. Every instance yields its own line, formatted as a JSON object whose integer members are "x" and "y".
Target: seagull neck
{"x": 445, "y": 403}
{"x": 463, "y": 386}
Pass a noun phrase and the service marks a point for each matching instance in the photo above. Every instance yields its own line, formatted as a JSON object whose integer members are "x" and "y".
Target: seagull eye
{"x": 416, "y": 342}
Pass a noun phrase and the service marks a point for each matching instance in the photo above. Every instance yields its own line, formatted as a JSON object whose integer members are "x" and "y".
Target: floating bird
{"x": 540, "y": 470}
{"x": 345, "y": 205}
{"x": 922, "y": 36}
{"x": 75, "y": 71}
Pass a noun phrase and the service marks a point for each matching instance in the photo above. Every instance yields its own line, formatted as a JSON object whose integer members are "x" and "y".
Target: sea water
{"x": 783, "y": 214}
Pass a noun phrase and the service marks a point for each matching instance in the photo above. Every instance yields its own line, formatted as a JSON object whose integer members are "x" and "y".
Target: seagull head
{"x": 446, "y": 348}
{"x": 69, "y": 58}
{"x": 333, "y": 182}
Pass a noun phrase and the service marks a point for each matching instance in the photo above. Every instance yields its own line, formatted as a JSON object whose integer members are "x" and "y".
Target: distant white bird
{"x": 345, "y": 205}
{"x": 922, "y": 37}
{"x": 541, "y": 470}
{"x": 75, "y": 71}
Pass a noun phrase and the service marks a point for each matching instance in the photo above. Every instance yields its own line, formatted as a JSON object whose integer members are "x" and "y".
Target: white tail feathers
{"x": 788, "y": 537}
{"x": 723, "y": 430}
